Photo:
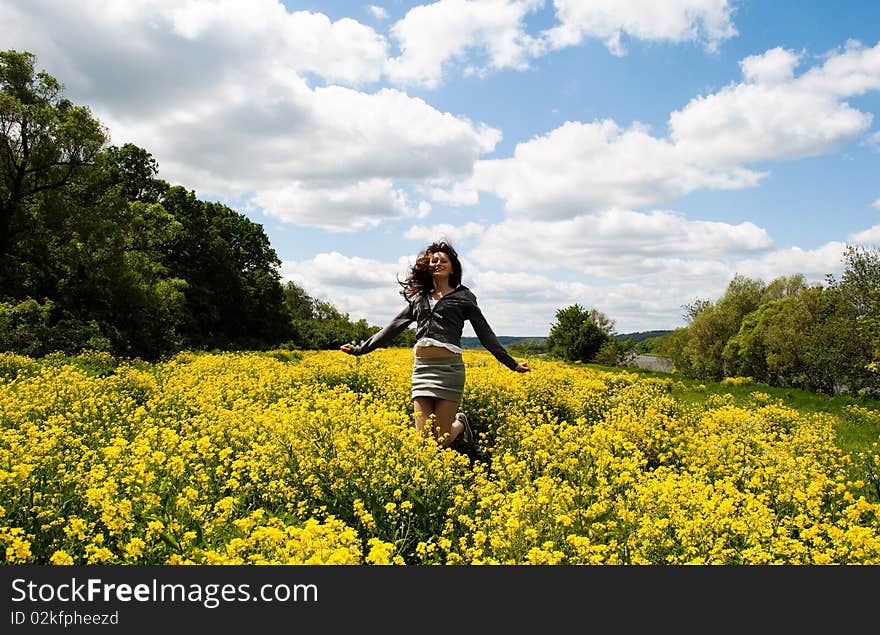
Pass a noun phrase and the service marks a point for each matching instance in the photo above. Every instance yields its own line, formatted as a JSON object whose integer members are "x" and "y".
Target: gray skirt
{"x": 439, "y": 377}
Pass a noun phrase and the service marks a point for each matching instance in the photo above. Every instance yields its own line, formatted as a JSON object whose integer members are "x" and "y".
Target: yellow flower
{"x": 61, "y": 558}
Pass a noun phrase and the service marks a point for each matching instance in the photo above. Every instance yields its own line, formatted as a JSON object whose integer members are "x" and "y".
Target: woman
{"x": 439, "y": 304}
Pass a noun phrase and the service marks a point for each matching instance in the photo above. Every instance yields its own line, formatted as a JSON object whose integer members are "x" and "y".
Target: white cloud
{"x": 620, "y": 244}
{"x": 450, "y": 233}
{"x": 774, "y": 115}
{"x": 338, "y": 270}
{"x": 362, "y": 287}
{"x": 868, "y": 236}
{"x": 326, "y": 133}
{"x": 774, "y": 66}
{"x": 329, "y": 156}
{"x": 338, "y": 207}
{"x": 876, "y": 203}
{"x": 519, "y": 301}
{"x": 677, "y": 21}
{"x": 431, "y": 37}
{"x": 636, "y": 303}
{"x": 813, "y": 263}
{"x": 455, "y": 194}
{"x": 583, "y": 167}
{"x": 377, "y": 12}
{"x": 144, "y": 49}
{"x": 483, "y": 35}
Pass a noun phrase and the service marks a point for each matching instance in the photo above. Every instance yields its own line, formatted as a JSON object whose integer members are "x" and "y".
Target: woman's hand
{"x": 347, "y": 348}
{"x": 522, "y": 367}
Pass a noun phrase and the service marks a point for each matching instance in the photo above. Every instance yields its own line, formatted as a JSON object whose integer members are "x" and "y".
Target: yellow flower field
{"x": 281, "y": 458}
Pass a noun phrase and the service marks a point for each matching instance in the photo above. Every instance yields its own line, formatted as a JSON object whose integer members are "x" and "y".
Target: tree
{"x": 299, "y": 304}
{"x": 318, "y": 324}
{"x": 133, "y": 170}
{"x": 860, "y": 293}
{"x": 44, "y": 140}
{"x": 578, "y": 334}
{"x": 745, "y": 354}
{"x": 234, "y": 296}
{"x": 713, "y": 325}
{"x": 694, "y": 308}
{"x": 615, "y": 352}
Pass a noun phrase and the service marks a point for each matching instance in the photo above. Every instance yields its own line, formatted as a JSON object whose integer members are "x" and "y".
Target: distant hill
{"x": 640, "y": 336}
{"x": 506, "y": 340}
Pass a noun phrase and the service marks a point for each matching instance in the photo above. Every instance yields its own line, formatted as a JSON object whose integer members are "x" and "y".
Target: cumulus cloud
{"x": 635, "y": 300}
{"x": 775, "y": 66}
{"x": 293, "y": 147}
{"x": 772, "y": 115}
{"x": 582, "y": 167}
{"x": 362, "y": 287}
{"x": 618, "y": 243}
{"x": 377, "y": 12}
{"x": 140, "y": 50}
{"x": 482, "y": 35}
{"x": 775, "y": 115}
{"x": 813, "y": 263}
{"x": 705, "y": 21}
{"x": 367, "y": 288}
{"x": 431, "y": 37}
{"x": 867, "y": 236}
{"x": 451, "y": 233}
{"x": 350, "y": 207}
{"x": 455, "y": 194}
{"x": 337, "y": 270}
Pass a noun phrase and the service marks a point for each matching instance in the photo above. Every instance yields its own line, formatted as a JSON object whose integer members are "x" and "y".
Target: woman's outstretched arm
{"x": 491, "y": 343}
{"x": 383, "y": 337}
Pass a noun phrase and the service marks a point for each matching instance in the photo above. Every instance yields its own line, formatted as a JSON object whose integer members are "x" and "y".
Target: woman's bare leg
{"x": 424, "y": 408}
{"x": 437, "y": 417}
{"x": 444, "y": 421}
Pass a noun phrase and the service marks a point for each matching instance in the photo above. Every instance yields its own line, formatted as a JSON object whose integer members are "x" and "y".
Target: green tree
{"x": 578, "y": 334}
{"x": 745, "y": 353}
{"x": 133, "y": 171}
{"x": 318, "y": 324}
{"x": 528, "y": 348}
{"x": 860, "y": 290}
{"x": 694, "y": 308}
{"x": 615, "y": 352}
{"x": 234, "y": 297}
{"x": 45, "y": 141}
{"x": 797, "y": 347}
{"x": 704, "y": 339}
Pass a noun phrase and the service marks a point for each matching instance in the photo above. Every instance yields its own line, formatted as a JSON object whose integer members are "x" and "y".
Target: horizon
{"x": 625, "y": 157}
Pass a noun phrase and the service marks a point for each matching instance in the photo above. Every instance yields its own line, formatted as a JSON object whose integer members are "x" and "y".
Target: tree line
{"x": 97, "y": 252}
{"x": 818, "y": 337}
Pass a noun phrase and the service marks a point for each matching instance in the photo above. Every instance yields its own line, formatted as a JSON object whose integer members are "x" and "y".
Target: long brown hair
{"x": 420, "y": 281}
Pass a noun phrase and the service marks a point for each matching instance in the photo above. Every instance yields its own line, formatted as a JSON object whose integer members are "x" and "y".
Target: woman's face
{"x": 440, "y": 264}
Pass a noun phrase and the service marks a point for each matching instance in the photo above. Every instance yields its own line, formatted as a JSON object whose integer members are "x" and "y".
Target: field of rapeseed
{"x": 312, "y": 458}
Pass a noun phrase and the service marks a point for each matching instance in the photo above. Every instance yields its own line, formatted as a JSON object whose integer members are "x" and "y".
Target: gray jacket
{"x": 444, "y": 322}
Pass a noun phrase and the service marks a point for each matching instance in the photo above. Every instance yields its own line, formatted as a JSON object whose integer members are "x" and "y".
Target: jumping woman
{"x": 439, "y": 305}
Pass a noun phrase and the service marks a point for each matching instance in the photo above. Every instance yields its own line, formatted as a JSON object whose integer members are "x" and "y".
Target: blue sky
{"x": 625, "y": 155}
